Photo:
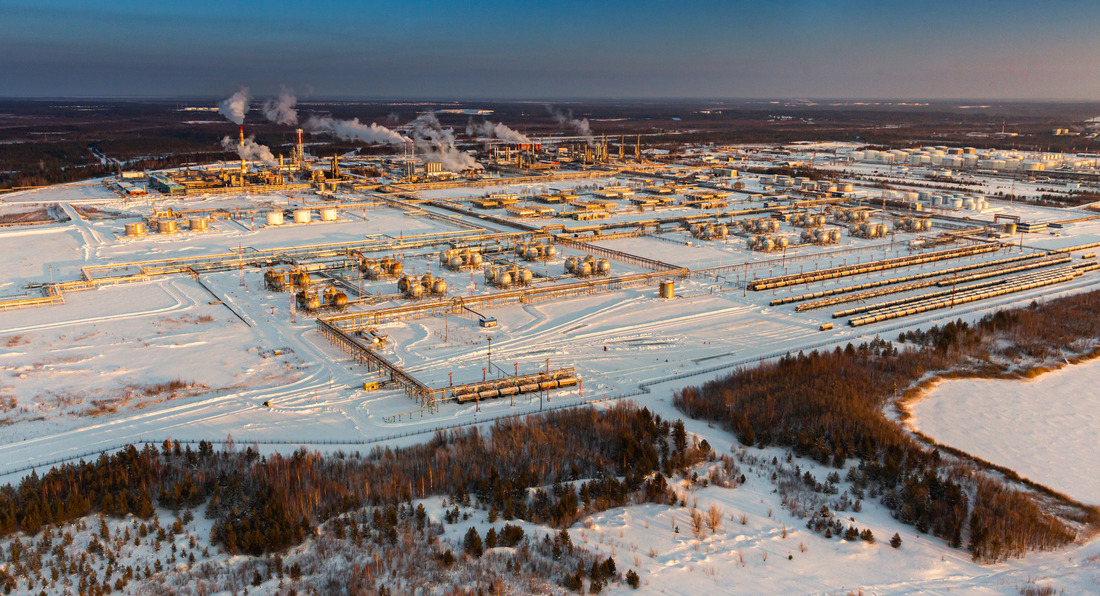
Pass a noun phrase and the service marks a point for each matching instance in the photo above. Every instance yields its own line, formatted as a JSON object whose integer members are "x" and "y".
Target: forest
{"x": 550, "y": 469}
{"x": 829, "y": 406}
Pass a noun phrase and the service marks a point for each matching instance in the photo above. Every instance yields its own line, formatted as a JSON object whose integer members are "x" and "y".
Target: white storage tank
{"x": 302, "y": 216}
{"x": 135, "y": 229}
{"x": 328, "y": 214}
{"x": 274, "y": 218}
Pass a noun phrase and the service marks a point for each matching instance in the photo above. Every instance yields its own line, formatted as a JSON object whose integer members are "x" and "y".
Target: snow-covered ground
{"x": 1044, "y": 428}
{"x": 75, "y": 377}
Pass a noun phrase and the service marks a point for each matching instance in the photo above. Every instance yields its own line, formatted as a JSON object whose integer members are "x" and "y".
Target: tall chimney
{"x": 242, "y": 135}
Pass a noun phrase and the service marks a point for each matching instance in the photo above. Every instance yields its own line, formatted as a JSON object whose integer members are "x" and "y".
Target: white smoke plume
{"x": 250, "y": 150}
{"x": 281, "y": 109}
{"x": 438, "y": 144}
{"x": 566, "y": 119}
{"x": 354, "y": 130}
{"x": 236, "y": 106}
{"x": 498, "y": 130}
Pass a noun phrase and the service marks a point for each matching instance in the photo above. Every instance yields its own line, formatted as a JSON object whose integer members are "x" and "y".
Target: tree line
{"x": 829, "y": 406}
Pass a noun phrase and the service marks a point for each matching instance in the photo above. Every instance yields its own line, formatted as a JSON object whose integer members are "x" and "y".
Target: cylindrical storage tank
{"x": 439, "y": 287}
{"x": 806, "y": 235}
{"x": 853, "y": 229}
{"x": 968, "y": 203}
{"x": 274, "y": 218}
{"x": 668, "y": 289}
{"x": 767, "y": 244}
{"x": 166, "y": 226}
{"x": 782, "y": 242}
{"x": 865, "y": 228}
{"x": 328, "y": 214}
{"x": 1010, "y": 228}
{"x": 956, "y": 204}
{"x": 302, "y": 216}
{"x": 135, "y": 229}
{"x": 881, "y": 229}
{"x": 834, "y": 235}
{"x": 197, "y": 225}
{"x": 603, "y": 265}
{"x": 750, "y": 243}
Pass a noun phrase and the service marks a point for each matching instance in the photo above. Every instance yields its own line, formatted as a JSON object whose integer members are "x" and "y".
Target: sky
{"x": 1044, "y": 50}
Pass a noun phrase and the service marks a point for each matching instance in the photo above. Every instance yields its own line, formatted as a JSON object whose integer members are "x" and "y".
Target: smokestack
{"x": 301, "y": 152}
{"x": 242, "y": 135}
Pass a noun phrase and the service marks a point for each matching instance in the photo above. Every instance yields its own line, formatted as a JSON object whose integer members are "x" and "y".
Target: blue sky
{"x": 554, "y": 50}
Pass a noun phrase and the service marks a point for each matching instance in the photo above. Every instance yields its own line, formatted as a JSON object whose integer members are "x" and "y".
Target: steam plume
{"x": 354, "y": 130}
{"x": 281, "y": 109}
{"x": 438, "y": 143}
{"x": 236, "y": 106}
{"x": 566, "y": 119}
{"x": 498, "y": 130}
{"x": 250, "y": 150}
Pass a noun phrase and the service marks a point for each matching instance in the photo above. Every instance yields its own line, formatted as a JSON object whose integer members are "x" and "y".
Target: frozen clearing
{"x": 1044, "y": 428}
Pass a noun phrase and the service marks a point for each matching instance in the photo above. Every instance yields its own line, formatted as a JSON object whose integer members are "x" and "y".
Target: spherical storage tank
{"x": 274, "y": 218}
{"x": 475, "y": 259}
{"x": 603, "y": 265}
{"x": 551, "y": 251}
{"x": 439, "y": 287}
